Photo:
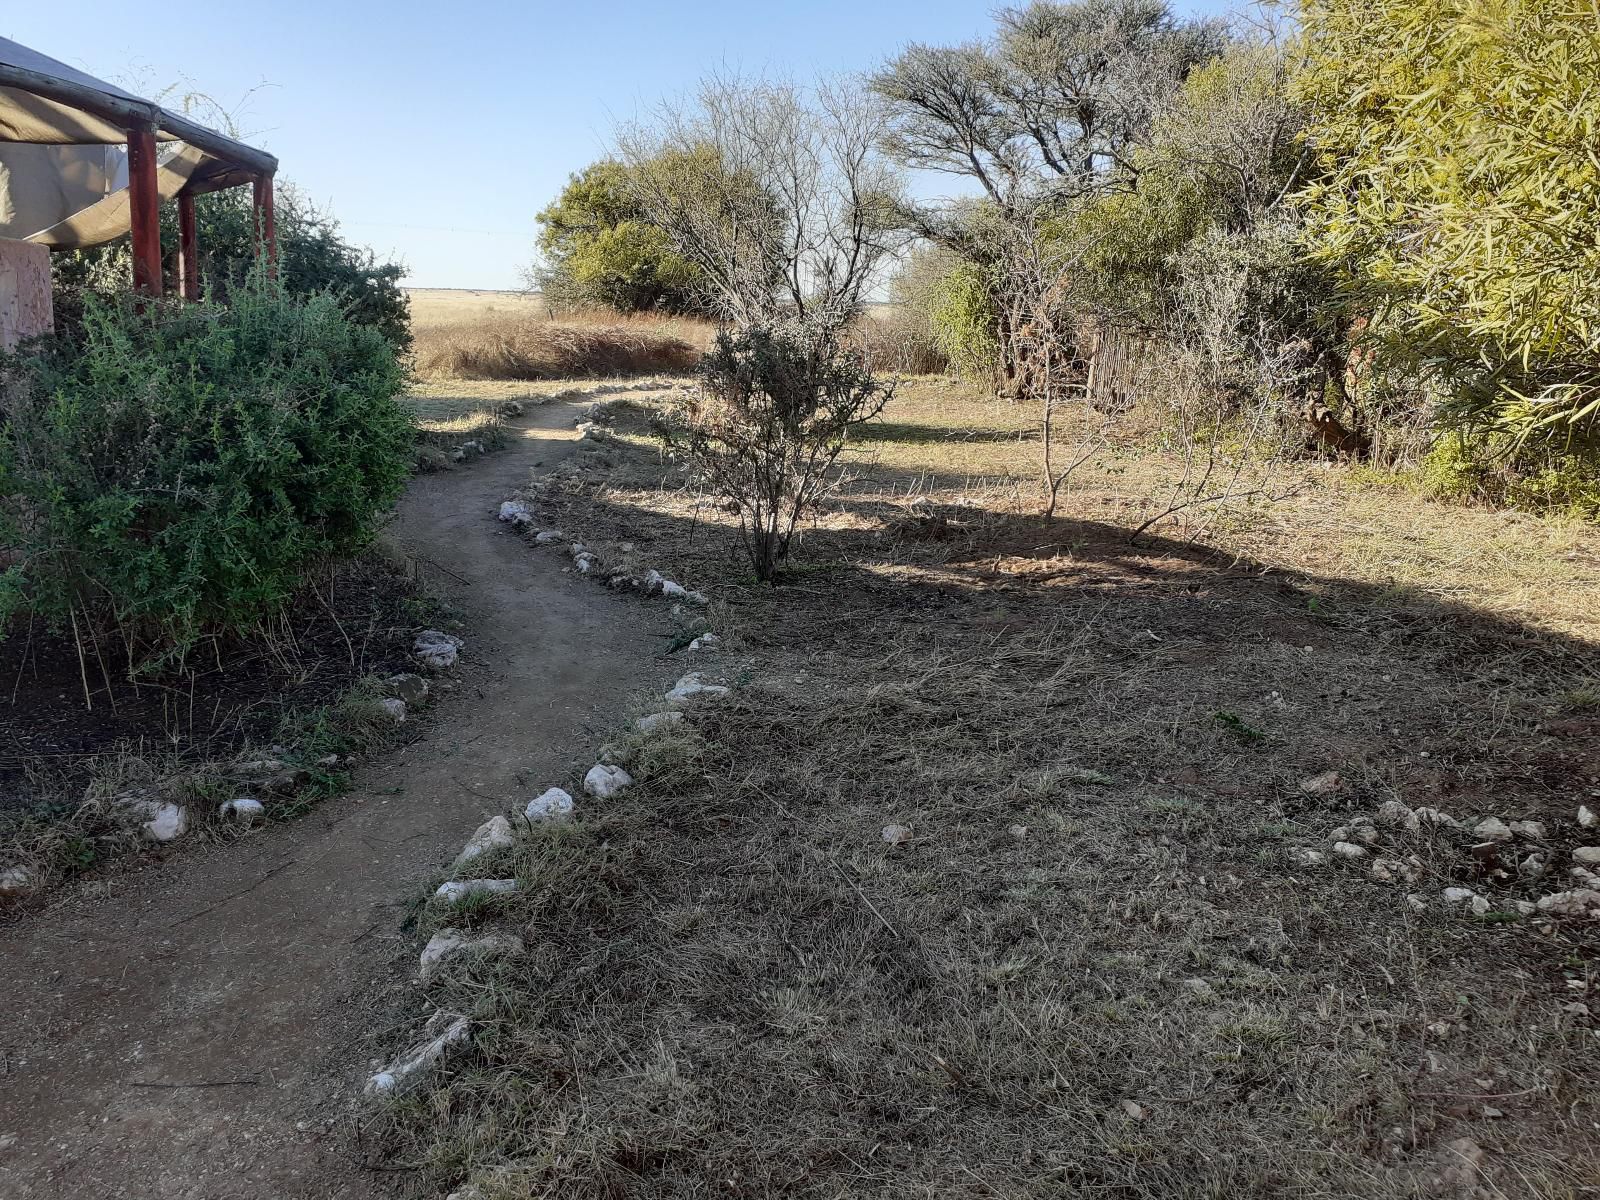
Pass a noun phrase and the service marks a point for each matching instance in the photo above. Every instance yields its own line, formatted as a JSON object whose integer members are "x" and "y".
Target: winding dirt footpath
{"x": 193, "y": 1030}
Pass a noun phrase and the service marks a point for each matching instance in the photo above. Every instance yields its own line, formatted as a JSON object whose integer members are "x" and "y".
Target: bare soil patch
{"x": 62, "y": 713}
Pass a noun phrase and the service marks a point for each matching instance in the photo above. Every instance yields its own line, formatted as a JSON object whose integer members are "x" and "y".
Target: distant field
{"x": 431, "y": 307}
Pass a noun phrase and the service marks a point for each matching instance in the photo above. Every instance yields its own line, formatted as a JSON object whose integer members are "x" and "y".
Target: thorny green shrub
{"x": 173, "y": 470}
{"x": 766, "y": 424}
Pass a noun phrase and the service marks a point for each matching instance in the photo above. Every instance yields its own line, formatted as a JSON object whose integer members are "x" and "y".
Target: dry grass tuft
{"x": 578, "y": 346}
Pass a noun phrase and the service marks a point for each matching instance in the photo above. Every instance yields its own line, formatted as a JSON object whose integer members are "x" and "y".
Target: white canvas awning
{"x": 63, "y": 166}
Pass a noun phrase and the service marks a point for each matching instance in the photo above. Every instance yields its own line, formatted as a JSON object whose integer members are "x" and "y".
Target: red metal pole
{"x": 144, "y": 205}
{"x": 266, "y": 228}
{"x": 188, "y": 248}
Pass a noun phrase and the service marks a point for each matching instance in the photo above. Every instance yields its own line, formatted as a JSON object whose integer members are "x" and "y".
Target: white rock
{"x": 1458, "y": 895}
{"x": 584, "y": 564}
{"x": 1526, "y": 907}
{"x": 671, "y": 590}
{"x": 440, "y": 947}
{"x": 515, "y": 512}
{"x": 658, "y": 721}
{"x": 1349, "y": 850}
{"x": 413, "y": 689}
{"x": 395, "y": 708}
{"x": 1588, "y": 855}
{"x": 158, "y": 820}
{"x": 448, "y": 943}
{"x": 690, "y": 688}
{"x": 1581, "y": 902}
{"x": 1428, "y": 815}
{"x": 493, "y": 834}
{"x": 460, "y": 889}
{"x": 244, "y": 809}
{"x": 15, "y": 881}
{"x": 651, "y": 581}
{"x": 443, "y": 1031}
{"x": 548, "y": 537}
{"x": 435, "y": 650}
{"x": 1529, "y": 831}
{"x": 551, "y": 806}
{"x": 896, "y": 835}
{"x": 705, "y": 641}
{"x": 1397, "y": 816}
{"x": 1492, "y": 829}
{"x": 1325, "y": 784}
{"x": 1534, "y": 866}
{"x": 577, "y": 549}
{"x": 1307, "y": 858}
{"x": 603, "y": 782}
{"x": 1586, "y": 817}
{"x": 1387, "y": 870}
{"x": 1480, "y": 905}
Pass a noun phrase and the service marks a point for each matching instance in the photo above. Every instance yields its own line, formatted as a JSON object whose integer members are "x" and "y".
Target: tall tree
{"x": 596, "y": 247}
{"x": 1042, "y": 115}
{"x": 778, "y": 195}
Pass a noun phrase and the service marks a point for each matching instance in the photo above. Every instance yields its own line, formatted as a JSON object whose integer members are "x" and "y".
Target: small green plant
{"x": 1236, "y": 725}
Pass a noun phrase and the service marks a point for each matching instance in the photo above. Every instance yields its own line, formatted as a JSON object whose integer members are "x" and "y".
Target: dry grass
{"x": 517, "y": 346}
{"x": 1095, "y": 968}
{"x": 431, "y": 307}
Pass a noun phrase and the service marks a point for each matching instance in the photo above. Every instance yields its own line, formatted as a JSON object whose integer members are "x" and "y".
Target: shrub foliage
{"x": 173, "y": 471}
{"x": 769, "y": 419}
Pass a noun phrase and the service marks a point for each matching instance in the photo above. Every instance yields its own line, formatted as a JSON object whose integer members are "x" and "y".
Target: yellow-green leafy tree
{"x": 1460, "y": 198}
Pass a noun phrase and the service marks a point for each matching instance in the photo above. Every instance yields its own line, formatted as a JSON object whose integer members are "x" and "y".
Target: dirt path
{"x": 191, "y": 1030}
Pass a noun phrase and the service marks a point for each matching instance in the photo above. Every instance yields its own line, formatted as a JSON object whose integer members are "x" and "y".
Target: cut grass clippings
{"x": 1094, "y": 967}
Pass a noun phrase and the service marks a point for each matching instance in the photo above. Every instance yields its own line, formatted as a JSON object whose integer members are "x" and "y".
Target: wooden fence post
{"x": 144, "y": 211}
{"x": 266, "y": 229}
{"x": 188, "y": 248}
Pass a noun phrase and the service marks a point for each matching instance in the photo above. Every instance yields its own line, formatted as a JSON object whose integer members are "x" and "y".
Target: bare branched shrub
{"x": 777, "y": 195}
{"x": 767, "y": 423}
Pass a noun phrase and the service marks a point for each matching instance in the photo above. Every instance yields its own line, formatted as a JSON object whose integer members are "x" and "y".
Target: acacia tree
{"x": 596, "y": 247}
{"x": 1041, "y": 116}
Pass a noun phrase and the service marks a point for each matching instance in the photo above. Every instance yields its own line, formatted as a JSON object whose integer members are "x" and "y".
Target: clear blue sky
{"x": 433, "y": 131}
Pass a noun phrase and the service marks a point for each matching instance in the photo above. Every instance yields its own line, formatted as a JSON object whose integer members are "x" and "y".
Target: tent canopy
{"x": 63, "y": 167}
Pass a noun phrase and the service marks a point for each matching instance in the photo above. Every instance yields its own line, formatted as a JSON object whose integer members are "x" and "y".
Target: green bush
{"x": 312, "y": 258}
{"x": 965, "y": 325}
{"x": 598, "y": 249}
{"x": 172, "y": 472}
{"x": 1506, "y": 471}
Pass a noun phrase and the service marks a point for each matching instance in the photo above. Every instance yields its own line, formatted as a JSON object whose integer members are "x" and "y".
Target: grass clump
{"x": 582, "y": 346}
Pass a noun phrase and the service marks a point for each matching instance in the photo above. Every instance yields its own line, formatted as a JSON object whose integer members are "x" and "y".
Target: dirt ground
{"x": 194, "y": 1029}
{"x": 1092, "y": 958}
